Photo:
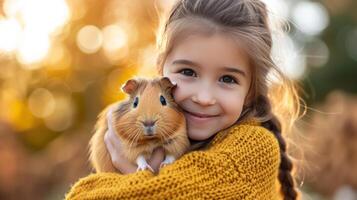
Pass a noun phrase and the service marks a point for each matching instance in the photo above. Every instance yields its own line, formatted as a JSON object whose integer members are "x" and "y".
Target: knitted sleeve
{"x": 243, "y": 165}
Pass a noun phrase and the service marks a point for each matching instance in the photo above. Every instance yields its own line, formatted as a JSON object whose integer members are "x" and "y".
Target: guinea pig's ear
{"x": 130, "y": 86}
{"x": 167, "y": 84}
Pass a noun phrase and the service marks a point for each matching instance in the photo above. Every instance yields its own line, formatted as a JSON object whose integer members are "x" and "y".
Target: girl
{"x": 218, "y": 53}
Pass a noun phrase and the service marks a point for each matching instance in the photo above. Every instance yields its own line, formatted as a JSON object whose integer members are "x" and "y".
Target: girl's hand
{"x": 113, "y": 145}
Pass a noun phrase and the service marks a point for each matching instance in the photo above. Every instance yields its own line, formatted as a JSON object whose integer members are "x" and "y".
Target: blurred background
{"x": 63, "y": 61}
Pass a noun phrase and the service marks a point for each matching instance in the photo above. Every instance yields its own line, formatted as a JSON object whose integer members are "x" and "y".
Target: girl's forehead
{"x": 217, "y": 49}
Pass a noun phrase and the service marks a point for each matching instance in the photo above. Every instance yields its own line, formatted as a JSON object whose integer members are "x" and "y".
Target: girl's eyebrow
{"x": 234, "y": 70}
{"x": 185, "y": 62}
{"x": 228, "y": 69}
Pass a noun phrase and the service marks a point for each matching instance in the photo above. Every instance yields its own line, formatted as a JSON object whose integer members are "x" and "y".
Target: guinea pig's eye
{"x": 136, "y": 101}
{"x": 162, "y": 100}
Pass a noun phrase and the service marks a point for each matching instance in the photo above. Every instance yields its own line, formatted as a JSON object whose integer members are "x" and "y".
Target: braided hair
{"x": 286, "y": 165}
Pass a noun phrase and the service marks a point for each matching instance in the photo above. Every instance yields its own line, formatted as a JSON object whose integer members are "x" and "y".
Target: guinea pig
{"x": 148, "y": 119}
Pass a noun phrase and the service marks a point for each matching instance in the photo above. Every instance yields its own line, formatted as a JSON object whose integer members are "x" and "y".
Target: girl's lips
{"x": 199, "y": 117}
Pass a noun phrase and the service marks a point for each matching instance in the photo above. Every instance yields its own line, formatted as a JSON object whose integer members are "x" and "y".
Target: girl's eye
{"x": 187, "y": 72}
{"x": 136, "y": 102}
{"x": 229, "y": 79}
{"x": 162, "y": 100}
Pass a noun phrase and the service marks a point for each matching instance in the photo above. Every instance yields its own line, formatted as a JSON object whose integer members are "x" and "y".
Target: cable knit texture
{"x": 242, "y": 165}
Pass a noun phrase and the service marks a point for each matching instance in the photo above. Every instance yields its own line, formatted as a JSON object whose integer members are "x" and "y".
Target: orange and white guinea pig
{"x": 148, "y": 119}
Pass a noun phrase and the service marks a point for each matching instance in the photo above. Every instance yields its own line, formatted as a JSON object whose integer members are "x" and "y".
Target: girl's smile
{"x": 213, "y": 79}
{"x": 198, "y": 117}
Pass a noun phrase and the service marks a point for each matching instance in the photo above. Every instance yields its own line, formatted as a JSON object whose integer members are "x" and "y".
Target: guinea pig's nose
{"x": 149, "y": 127}
{"x": 149, "y": 123}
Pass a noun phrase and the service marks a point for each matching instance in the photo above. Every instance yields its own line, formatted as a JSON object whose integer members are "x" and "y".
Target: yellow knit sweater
{"x": 242, "y": 165}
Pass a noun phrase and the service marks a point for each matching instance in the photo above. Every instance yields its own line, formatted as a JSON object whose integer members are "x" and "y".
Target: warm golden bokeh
{"x": 63, "y": 61}
{"x": 74, "y": 45}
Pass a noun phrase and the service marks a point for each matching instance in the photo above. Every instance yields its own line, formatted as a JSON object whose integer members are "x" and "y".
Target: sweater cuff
{"x": 86, "y": 188}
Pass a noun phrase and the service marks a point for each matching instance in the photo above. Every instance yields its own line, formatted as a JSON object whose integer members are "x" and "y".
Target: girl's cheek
{"x": 182, "y": 89}
{"x": 233, "y": 98}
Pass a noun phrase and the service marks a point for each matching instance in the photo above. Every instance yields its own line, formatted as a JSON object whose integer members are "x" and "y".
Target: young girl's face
{"x": 213, "y": 79}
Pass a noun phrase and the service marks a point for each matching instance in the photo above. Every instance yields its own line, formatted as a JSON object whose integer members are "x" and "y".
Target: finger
{"x": 108, "y": 143}
{"x": 158, "y": 155}
{"x": 160, "y": 150}
{"x": 156, "y": 158}
{"x": 111, "y": 132}
{"x": 113, "y": 152}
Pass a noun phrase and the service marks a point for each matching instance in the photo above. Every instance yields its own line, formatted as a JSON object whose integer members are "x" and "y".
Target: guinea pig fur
{"x": 148, "y": 119}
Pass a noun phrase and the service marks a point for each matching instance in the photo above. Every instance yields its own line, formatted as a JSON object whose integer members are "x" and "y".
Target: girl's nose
{"x": 204, "y": 98}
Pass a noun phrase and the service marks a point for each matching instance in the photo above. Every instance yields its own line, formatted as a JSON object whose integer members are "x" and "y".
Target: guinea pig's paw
{"x": 142, "y": 164}
{"x": 144, "y": 167}
{"x": 168, "y": 160}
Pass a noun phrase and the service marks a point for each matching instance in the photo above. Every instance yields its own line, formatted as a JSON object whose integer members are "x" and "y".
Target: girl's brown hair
{"x": 273, "y": 99}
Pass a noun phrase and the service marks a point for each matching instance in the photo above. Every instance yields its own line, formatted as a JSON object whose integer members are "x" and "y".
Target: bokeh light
{"x": 317, "y": 52}
{"x": 41, "y": 103}
{"x": 10, "y": 33}
{"x": 89, "y": 39}
{"x": 12, "y": 7}
{"x": 43, "y": 15}
{"x": 346, "y": 192}
{"x": 30, "y": 25}
{"x": 114, "y": 38}
{"x": 115, "y": 43}
{"x": 63, "y": 115}
{"x": 60, "y": 58}
{"x": 310, "y": 18}
{"x": 288, "y": 57}
{"x": 33, "y": 48}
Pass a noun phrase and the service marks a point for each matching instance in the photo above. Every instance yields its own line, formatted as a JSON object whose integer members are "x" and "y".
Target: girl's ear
{"x": 130, "y": 86}
{"x": 167, "y": 84}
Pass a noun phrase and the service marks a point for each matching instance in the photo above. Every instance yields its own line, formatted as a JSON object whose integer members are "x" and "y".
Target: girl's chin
{"x": 195, "y": 134}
